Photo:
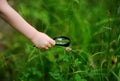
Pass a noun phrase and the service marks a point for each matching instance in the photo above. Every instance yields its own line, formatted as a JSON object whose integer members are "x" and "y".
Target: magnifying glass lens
{"x": 62, "y": 41}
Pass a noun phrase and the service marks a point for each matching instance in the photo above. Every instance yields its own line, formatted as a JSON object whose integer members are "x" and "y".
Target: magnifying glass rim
{"x": 63, "y": 37}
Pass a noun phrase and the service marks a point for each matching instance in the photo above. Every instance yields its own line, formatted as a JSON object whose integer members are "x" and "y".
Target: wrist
{"x": 35, "y": 35}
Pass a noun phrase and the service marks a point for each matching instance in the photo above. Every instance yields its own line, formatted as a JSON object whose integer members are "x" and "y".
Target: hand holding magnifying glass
{"x": 62, "y": 41}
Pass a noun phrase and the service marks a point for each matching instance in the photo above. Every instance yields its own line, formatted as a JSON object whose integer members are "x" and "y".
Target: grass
{"x": 93, "y": 27}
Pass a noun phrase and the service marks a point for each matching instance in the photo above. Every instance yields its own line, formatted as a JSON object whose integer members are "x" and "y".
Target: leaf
{"x": 78, "y": 78}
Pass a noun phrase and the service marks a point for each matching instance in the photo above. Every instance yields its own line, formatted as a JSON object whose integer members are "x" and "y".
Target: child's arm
{"x": 40, "y": 39}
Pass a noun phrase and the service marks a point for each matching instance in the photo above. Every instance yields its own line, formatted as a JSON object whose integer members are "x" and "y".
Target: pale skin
{"x": 39, "y": 39}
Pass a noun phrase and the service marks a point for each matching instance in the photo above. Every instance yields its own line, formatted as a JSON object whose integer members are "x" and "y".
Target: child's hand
{"x": 42, "y": 41}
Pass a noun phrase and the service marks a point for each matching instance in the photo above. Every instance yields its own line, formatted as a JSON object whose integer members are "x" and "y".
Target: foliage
{"x": 93, "y": 26}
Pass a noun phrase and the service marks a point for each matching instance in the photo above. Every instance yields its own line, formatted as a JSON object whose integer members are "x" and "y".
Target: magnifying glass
{"x": 62, "y": 41}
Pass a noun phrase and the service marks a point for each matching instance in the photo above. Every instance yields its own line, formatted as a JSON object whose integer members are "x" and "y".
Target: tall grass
{"x": 93, "y": 27}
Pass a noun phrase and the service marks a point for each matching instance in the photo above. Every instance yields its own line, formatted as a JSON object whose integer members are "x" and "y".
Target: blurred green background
{"x": 93, "y": 27}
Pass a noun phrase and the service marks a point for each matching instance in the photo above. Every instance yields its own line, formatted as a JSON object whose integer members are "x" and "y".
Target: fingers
{"x": 43, "y": 47}
{"x": 46, "y": 45}
{"x": 52, "y": 42}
